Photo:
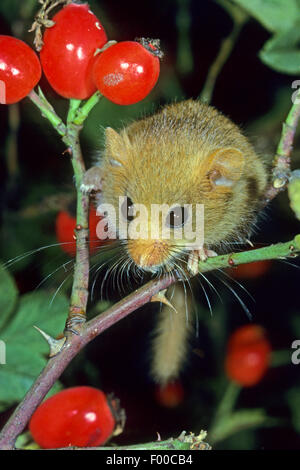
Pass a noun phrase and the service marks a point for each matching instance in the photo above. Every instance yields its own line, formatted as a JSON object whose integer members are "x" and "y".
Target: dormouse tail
{"x": 170, "y": 344}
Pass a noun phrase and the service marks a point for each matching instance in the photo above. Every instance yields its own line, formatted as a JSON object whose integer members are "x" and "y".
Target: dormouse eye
{"x": 177, "y": 217}
{"x": 126, "y": 209}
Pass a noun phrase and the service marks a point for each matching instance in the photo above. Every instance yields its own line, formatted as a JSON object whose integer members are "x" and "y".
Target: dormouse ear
{"x": 116, "y": 146}
{"x": 225, "y": 166}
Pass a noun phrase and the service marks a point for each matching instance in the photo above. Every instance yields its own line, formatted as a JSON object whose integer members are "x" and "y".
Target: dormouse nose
{"x": 149, "y": 253}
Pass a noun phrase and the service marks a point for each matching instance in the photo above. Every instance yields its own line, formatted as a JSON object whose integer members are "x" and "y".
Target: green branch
{"x": 83, "y": 112}
{"x": 281, "y": 172}
{"x": 183, "y": 442}
{"x": 73, "y": 108}
{"x": 184, "y": 62}
{"x": 47, "y": 111}
{"x": 280, "y": 250}
{"x": 70, "y": 136}
{"x": 57, "y": 364}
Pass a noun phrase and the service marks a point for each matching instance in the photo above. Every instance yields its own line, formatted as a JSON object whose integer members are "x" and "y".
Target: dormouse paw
{"x": 92, "y": 180}
{"x": 201, "y": 254}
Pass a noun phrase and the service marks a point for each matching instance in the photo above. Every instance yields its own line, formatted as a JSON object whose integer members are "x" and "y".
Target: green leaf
{"x": 9, "y": 9}
{"x": 26, "y": 350}
{"x": 282, "y": 51}
{"x": 8, "y": 295}
{"x": 274, "y": 15}
{"x": 14, "y": 10}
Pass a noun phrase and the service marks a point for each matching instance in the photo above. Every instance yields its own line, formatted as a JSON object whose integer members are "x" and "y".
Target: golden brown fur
{"x": 187, "y": 153}
{"x": 169, "y": 347}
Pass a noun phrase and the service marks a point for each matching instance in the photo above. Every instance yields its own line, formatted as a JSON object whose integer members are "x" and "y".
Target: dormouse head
{"x": 169, "y": 196}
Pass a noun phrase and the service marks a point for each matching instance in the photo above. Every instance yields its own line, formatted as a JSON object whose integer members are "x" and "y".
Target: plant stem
{"x": 74, "y": 105}
{"x": 281, "y": 164}
{"x": 70, "y": 136}
{"x": 48, "y": 112}
{"x": 239, "y": 18}
{"x": 73, "y": 345}
{"x": 80, "y": 293}
{"x": 281, "y": 358}
{"x": 94, "y": 327}
{"x": 100, "y": 323}
{"x": 280, "y": 250}
{"x": 83, "y": 112}
{"x": 227, "y": 403}
{"x": 184, "y": 60}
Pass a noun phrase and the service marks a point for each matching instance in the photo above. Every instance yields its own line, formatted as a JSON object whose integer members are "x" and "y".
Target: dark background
{"x": 255, "y": 97}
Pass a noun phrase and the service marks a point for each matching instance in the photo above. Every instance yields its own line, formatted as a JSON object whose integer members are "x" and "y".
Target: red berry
{"x": 78, "y": 416}
{"x": 169, "y": 395}
{"x": 248, "y": 355}
{"x": 20, "y": 69}
{"x": 126, "y": 72}
{"x": 65, "y": 225}
{"x": 64, "y": 228}
{"x": 246, "y": 334}
{"x": 67, "y": 56}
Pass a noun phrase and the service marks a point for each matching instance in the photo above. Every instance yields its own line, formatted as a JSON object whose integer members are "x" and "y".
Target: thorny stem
{"x": 80, "y": 293}
{"x": 280, "y": 250}
{"x": 70, "y": 136}
{"x": 94, "y": 327}
{"x": 281, "y": 164}
{"x": 73, "y": 345}
{"x": 100, "y": 323}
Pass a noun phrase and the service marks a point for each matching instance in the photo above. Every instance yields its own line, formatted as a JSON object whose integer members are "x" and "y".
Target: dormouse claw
{"x": 195, "y": 256}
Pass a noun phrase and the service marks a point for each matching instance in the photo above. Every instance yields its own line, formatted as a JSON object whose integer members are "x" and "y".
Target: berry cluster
{"x": 77, "y": 60}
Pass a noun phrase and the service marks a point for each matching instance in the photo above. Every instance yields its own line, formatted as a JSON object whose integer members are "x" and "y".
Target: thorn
{"x": 231, "y": 262}
{"x": 55, "y": 345}
{"x": 67, "y": 150}
{"x": 158, "y": 437}
{"x": 249, "y": 243}
{"x": 161, "y": 297}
